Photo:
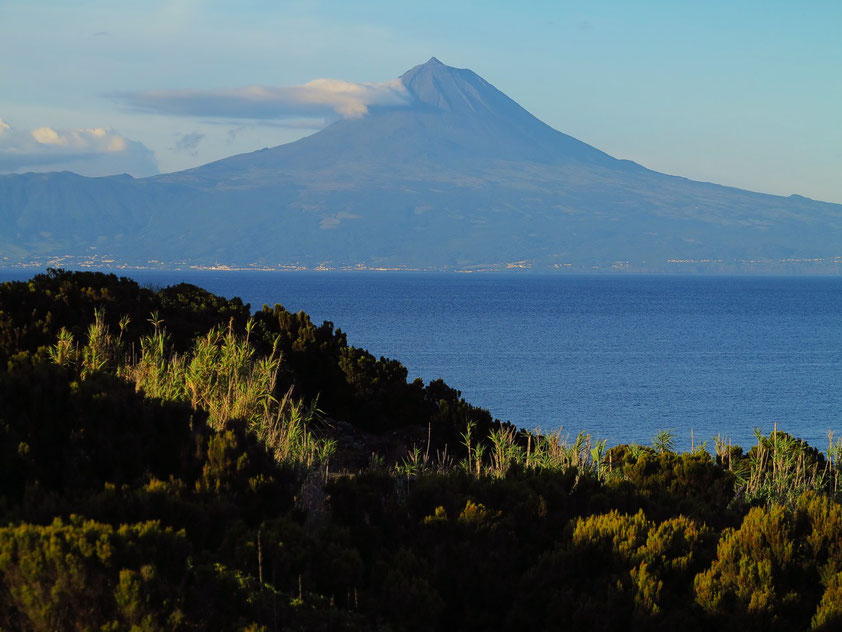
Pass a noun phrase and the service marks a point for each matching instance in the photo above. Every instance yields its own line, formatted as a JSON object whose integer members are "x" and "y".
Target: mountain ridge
{"x": 459, "y": 177}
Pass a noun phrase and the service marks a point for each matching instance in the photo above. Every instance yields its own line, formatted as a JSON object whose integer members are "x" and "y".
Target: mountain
{"x": 461, "y": 177}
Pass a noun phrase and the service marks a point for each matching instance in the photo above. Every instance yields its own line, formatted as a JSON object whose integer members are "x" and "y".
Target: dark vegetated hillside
{"x": 170, "y": 471}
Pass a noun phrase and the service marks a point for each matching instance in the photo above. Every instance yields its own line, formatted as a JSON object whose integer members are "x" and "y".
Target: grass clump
{"x": 221, "y": 374}
{"x": 779, "y": 469}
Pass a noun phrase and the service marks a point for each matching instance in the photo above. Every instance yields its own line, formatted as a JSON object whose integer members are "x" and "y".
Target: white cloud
{"x": 320, "y": 97}
{"x": 94, "y": 151}
{"x": 48, "y": 136}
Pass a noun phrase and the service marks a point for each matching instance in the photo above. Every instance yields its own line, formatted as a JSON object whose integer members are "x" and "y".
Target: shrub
{"x": 87, "y": 575}
{"x": 773, "y": 570}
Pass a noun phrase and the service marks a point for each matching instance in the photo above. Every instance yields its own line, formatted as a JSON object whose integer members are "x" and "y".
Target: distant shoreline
{"x": 790, "y": 268}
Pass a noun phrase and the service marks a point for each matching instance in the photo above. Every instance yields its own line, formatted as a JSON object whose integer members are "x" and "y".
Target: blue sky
{"x": 743, "y": 93}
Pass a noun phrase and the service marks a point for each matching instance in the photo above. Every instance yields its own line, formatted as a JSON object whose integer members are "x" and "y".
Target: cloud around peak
{"x": 93, "y": 151}
{"x": 326, "y": 98}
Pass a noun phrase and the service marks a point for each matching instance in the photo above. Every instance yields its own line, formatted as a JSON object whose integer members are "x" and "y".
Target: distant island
{"x": 458, "y": 177}
{"x": 830, "y": 265}
{"x": 171, "y": 460}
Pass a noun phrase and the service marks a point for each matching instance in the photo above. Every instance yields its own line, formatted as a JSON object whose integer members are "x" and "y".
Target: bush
{"x": 773, "y": 570}
{"x": 88, "y": 575}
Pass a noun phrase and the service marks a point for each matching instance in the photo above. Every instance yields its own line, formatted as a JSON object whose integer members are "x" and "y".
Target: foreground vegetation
{"x": 169, "y": 461}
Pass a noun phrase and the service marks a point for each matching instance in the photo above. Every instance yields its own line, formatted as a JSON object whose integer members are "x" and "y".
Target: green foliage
{"x": 33, "y": 312}
{"x": 191, "y": 439}
{"x": 87, "y": 575}
{"x": 316, "y": 360}
{"x": 224, "y": 375}
{"x": 505, "y": 448}
{"x": 657, "y": 557}
{"x": 664, "y": 441}
{"x": 829, "y": 613}
{"x": 584, "y": 454}
{"x": 780, "y": 468}
{"x": 221, "y": 375}
{"x": 616, "y": 572}
{"x": 61, "y": 434}
{"x": 774, "y": 569}
{"x": 669, "y": 484}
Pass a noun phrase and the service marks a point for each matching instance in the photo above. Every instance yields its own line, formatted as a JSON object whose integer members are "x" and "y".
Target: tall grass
{"x": 102, "y": 351}
{"x": 506, "y": 447}
{"x": 780, "y": 469}
{"x": 221, "y": 374}
{"x": 834, "y": 453}
{"x": 286, "y": 433}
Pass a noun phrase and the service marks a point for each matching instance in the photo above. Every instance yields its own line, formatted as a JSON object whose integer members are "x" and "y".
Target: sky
{"x": 747, "y": 94}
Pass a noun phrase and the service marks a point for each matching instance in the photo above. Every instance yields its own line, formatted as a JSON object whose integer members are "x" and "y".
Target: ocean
{"x": 619, "y": 356}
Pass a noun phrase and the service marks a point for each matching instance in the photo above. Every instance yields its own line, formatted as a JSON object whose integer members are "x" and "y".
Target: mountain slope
{"x": 461, "y": 176}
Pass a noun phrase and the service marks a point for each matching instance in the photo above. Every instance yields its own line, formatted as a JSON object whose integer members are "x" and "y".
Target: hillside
{"x": 159, "y": 474}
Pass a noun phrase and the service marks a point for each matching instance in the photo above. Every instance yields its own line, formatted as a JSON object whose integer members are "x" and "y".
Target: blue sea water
{"x": 621, "y": 357}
